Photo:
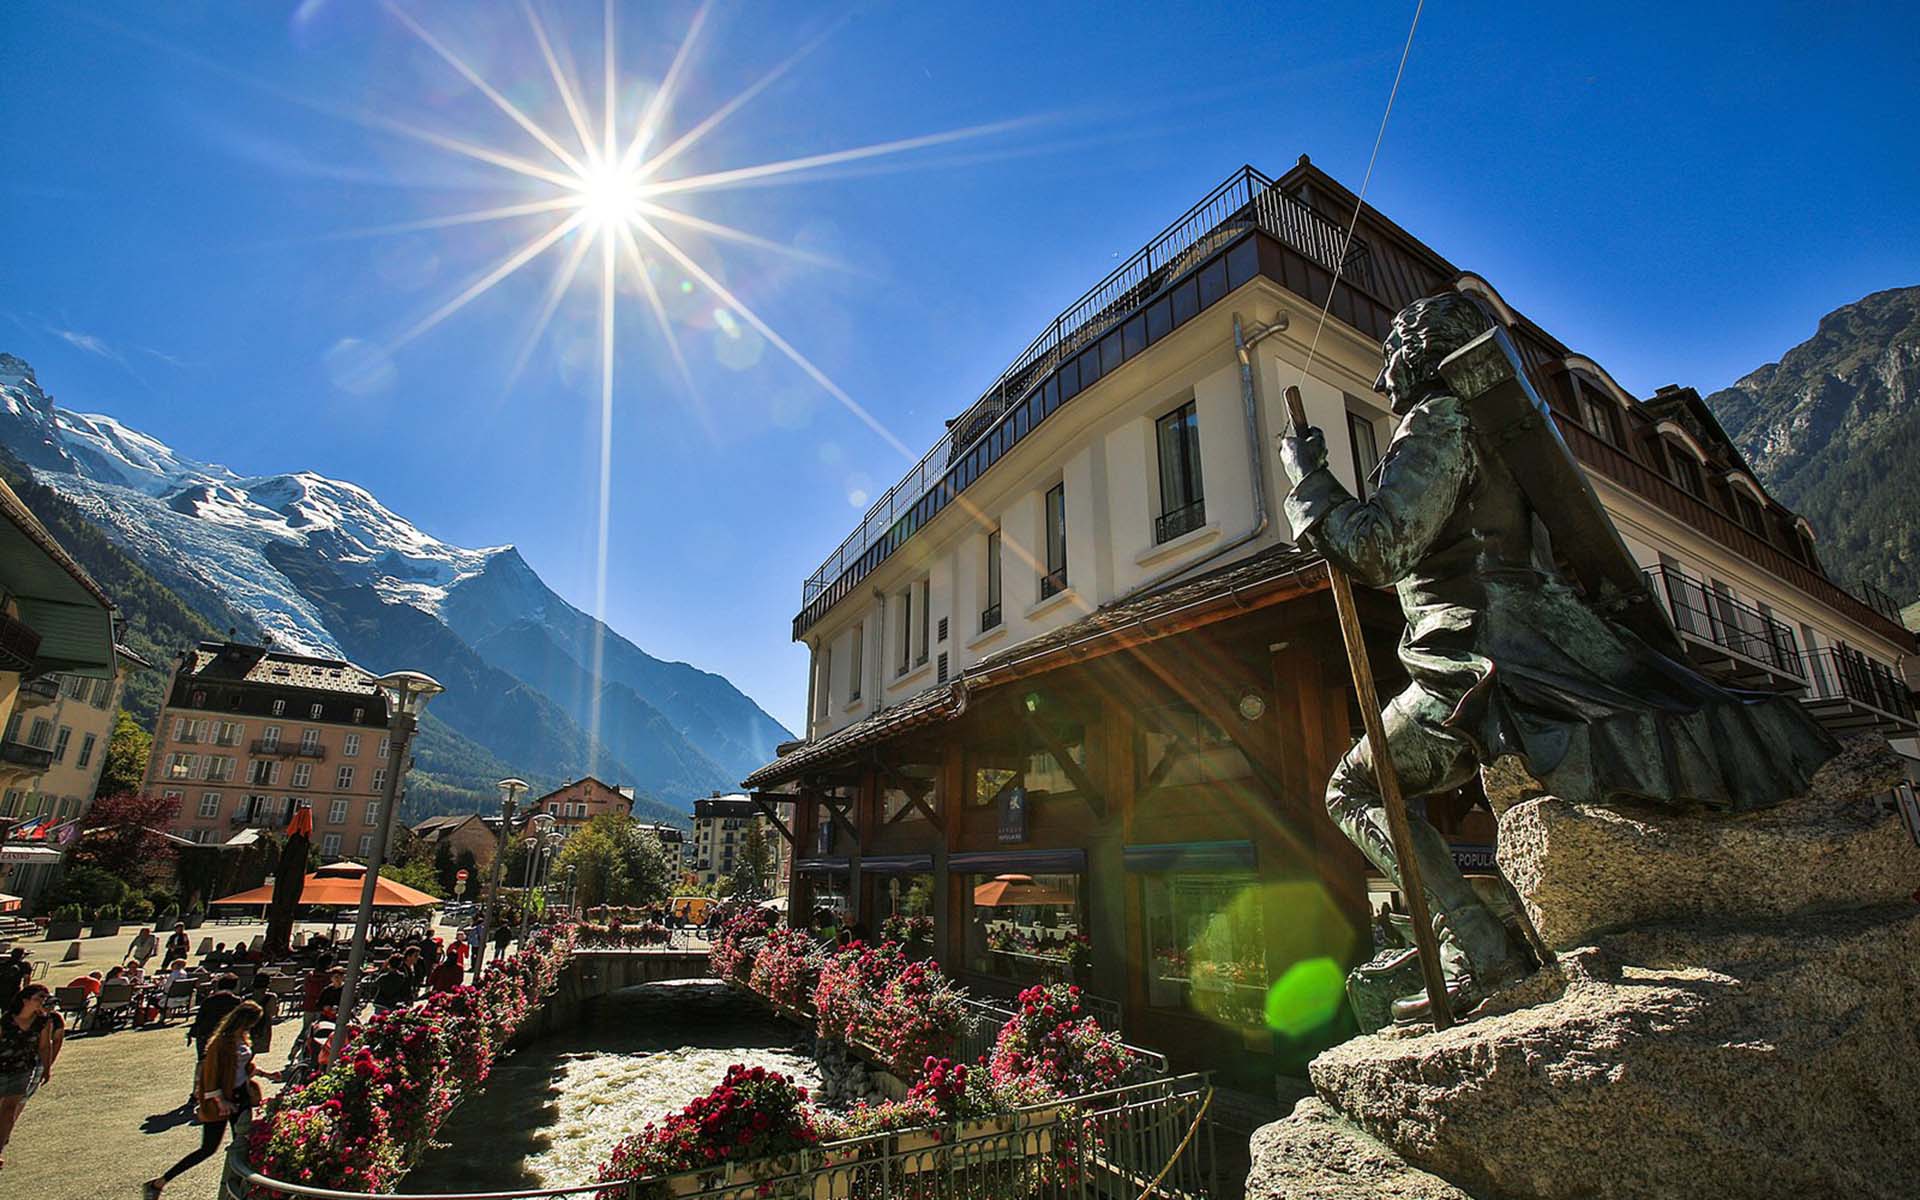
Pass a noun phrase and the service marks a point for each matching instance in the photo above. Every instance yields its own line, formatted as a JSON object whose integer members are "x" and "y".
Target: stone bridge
{"x": 594, "y": 973}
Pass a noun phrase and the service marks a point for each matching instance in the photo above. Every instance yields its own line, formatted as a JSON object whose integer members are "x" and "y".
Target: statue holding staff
{"x": 1515, "y": 674}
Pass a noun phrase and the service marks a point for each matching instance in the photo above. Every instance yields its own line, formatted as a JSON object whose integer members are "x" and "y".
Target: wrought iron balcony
{"x": 1728, "y": 638}
{"x": 314, "y": 751}
{"x": 36, "y": 693}
{"x": 1848, "y": 691}
{"x": 21, "y": 754}
{"x": 1053, "y": 583}
{"x": 989, "y": 617}
{"x": 1185, "y": 519}
{"x": 19, "y": 644}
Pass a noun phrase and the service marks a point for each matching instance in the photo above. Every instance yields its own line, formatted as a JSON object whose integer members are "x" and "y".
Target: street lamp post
{"x": 407, "y": 695}
{"x": 539, "y": 844}
{"x": 510, "y": 790}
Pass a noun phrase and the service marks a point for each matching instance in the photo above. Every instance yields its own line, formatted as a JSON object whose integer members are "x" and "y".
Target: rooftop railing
{"x": 1245, "y": 201}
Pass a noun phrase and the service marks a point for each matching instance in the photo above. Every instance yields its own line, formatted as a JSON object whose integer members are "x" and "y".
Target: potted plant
{"x": 106, "y": 921}
{"x": 196, "y": 916}
{"x": 65, "y": 923}
{"x": 139, "y": 910}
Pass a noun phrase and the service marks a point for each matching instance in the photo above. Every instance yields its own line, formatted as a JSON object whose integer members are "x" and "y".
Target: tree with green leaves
{"x": 418, "y": 875}
{"x": 596, "y": 856}
{"x": 125, "y": 767}
{"x": 753, "y": 869}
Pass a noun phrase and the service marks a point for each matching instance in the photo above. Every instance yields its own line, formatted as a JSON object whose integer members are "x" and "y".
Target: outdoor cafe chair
{"x": 74, "y": 1000}
{"x": 178, "y": 1000}
{"x": 114, "y": 1005}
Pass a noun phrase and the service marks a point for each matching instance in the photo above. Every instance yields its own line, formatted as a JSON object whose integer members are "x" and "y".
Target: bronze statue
{"x": 1511, "y": 667}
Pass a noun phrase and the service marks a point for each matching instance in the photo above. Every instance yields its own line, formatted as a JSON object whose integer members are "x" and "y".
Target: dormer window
{"x": 1685, "y": 470}
{"x": 1750, "y": 513}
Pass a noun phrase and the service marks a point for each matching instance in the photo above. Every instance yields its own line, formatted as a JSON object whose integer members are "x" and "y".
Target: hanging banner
{"x": 1013, "y": 814}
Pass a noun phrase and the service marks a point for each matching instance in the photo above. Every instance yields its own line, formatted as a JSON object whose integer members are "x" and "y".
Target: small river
{"x": 552, "y": 1110}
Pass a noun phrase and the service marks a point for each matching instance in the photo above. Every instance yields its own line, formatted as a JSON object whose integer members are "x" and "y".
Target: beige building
{"x": 572, "y": 805}
{"x": 247, "y": 732}
{"x": 1127, "y": 453}
{"x": 71, "y": 717}
{"x": 720, "y": 836}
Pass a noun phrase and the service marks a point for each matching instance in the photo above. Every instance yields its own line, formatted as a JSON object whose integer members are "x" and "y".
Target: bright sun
{"x": 609, "y": 195}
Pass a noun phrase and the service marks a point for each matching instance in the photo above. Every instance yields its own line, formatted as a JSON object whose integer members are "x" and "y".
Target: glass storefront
{"x": 903, "y": 911}
{"x": 1206, "y": 948}
{"x": 1027, "y": 928}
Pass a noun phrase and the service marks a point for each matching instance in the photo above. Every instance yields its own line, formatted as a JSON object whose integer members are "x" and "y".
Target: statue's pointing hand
{"x": 1303, "y": 454}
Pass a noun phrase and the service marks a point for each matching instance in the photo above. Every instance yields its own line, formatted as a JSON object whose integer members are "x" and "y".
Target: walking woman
{"x": 29, "y": 1042}
{"x": 225, "y": 1089}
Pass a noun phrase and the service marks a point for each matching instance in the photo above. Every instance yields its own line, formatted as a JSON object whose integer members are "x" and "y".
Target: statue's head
{"x": 1423, "y": 334}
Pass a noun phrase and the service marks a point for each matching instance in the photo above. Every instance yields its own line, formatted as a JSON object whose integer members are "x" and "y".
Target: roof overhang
{"x": 1268, "y": 578}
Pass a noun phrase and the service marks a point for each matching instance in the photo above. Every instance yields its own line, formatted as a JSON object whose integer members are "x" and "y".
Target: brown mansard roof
{"x": 1276, "y": 574}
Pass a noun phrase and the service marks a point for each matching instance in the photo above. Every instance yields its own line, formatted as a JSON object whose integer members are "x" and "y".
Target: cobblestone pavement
{"x": 112, "y": 1116}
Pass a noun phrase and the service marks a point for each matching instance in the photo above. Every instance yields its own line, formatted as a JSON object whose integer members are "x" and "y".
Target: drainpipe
{"x": 813, "y": 684}
{"x": 1256, "y": 461}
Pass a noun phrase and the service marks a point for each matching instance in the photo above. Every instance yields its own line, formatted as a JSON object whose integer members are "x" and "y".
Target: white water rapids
{"x": 554, "y": 1109}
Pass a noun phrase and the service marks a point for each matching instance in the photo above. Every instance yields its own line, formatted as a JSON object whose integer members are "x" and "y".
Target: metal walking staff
{"x": 1388, "y": 780}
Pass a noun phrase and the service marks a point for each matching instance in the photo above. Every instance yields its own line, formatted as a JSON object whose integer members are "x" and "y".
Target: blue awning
{"x": 821, "y": 866}
{"x": 896, "y": 864}
{"x": 1018, "y": 862}
{"x": 1190, "y": 856}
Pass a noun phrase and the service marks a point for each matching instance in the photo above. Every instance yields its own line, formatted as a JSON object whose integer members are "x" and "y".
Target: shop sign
{"x": 1013, "y": 814}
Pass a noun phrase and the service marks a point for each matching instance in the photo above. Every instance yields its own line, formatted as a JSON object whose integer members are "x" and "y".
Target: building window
{"x": 102, "y": 693}
{"x": 1366, "y": 451}
{"x": 303, "y": 775}
{"x": 1598, "y": 414}
{"x": 1751, "y": 514}
{"x": 1686, "y": 472}
{"x": 219, "y": 767}
{"x": 366, "y": 845}
{"x": 1206, "y": 946}
{"x": 60, "y": 743}
{"x": 337, "y": 813}
{"x": 1183, "y": 506}
{"x": 351, "y": 748}
{"x": 379, "y": 779}
{"x": 920, "y": 649}
{"x": 823, "y": 686}
{"x": 990, "y": 615}
{"x": 209, "y": 805}
{"x": 906, "y": 629}
{"x": 372, "y": 815}
{"x": 86, "y": 751}
{"x": 309, "y": 740}
{"x": 343, "y": 779}
{"x": 1026, "y": 928}
{"x": 270, "y": 737}
{"x": 199, "y": 699}
{"x": 228, "y": 733}
{"x": 179, "y": 766}
{"x": 359, "y": 715}
{"x": 313, "y": 712}
{"x": 330, "y": 845}
{"x": 279, "y": 708}
{"x": 1055, "y": 580}
{"x": 854, "y": 664}
{"x": 41, "y": 734}
{"x": 386, "y": 751}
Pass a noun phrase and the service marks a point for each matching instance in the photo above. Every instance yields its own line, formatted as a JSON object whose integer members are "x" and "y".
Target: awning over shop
{"x": 1269, "y": 577}
{"x": 57, "y": 599}
{"x": 1189, "y": 856}
{"x": 1018, "y": 862}
{"x": 28, "y": 854}
{"x": 822, "y": 866}
{"x": 896, "y": 864}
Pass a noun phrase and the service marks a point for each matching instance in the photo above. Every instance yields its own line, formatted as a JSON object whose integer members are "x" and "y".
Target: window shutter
{"x": 943, "y": 661}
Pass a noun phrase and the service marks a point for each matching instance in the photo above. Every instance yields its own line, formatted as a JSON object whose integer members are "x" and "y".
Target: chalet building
{"x": 462, "y": 834}
{"x": 59, "y": 680}
{"x": 572, "y": 805}
{"x": 247, "y": 733}
{"x": 1074, "y": 694}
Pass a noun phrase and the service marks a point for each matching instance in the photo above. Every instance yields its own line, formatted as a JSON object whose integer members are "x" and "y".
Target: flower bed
{"x": 360, "y": 1124}
{"x": 735, "y": 946}
{"x": 1052, "y": 1040}
{"x": 785, "y": 968}
{"x": 753, "y": 1114}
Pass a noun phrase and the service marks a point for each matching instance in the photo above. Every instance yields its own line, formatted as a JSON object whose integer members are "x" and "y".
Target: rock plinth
{"x": 1737, "y": 1026}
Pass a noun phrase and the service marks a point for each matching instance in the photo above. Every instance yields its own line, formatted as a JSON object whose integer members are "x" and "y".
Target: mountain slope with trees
{"x": 1833, "y": 430}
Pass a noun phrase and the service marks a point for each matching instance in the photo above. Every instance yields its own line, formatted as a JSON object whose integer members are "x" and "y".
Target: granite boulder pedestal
{"x": 1734, "y": 1011}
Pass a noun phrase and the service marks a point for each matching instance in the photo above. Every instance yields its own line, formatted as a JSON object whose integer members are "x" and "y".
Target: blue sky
{"x": 1674, "y": 193}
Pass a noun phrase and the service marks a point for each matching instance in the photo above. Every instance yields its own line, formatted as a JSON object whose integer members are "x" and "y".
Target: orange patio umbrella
{"x": 1011, "y": 891}
{"x": 338, "y": 886}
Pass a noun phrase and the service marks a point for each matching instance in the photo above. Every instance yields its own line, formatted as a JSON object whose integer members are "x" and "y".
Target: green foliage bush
{"x": 69, "y": 912}
{"x": 87, "y": 888}
{"x": 139, "y": 909}
{"x": 107, "y": 912}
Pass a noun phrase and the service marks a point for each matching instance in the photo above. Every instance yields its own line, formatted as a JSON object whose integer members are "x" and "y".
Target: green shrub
{"x": 69, "y": 912}
{"x": 89, "y": 887}
{"x": 107, "y": 912}
{"x": 139, "y": 909}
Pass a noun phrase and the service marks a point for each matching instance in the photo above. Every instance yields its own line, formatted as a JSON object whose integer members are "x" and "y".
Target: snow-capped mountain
{"x": 323, "y": 567}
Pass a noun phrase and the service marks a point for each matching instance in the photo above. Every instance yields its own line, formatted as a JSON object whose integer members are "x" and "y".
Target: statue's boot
{"x": 1478, "y": 957}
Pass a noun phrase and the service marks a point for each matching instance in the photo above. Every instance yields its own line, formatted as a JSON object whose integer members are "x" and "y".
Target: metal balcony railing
{"x": 1053, "y": 583}
{"x": 19, "y": 644}
{"x": 1842, "y": 674}
{"x": 314, "y": 751}
{"x": 989, "y": 617}
{"x": 37, "y": 692}
{"x": 1700, "y": 612}
{"x": 266, "y": 746}
{"x": 1185, "y": 519}
{"x": 1244, "y": 202}
{"x": 22, "y": 754}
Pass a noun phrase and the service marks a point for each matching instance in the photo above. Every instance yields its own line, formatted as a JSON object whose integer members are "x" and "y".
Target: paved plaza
{"x": 112, "y": 1116}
